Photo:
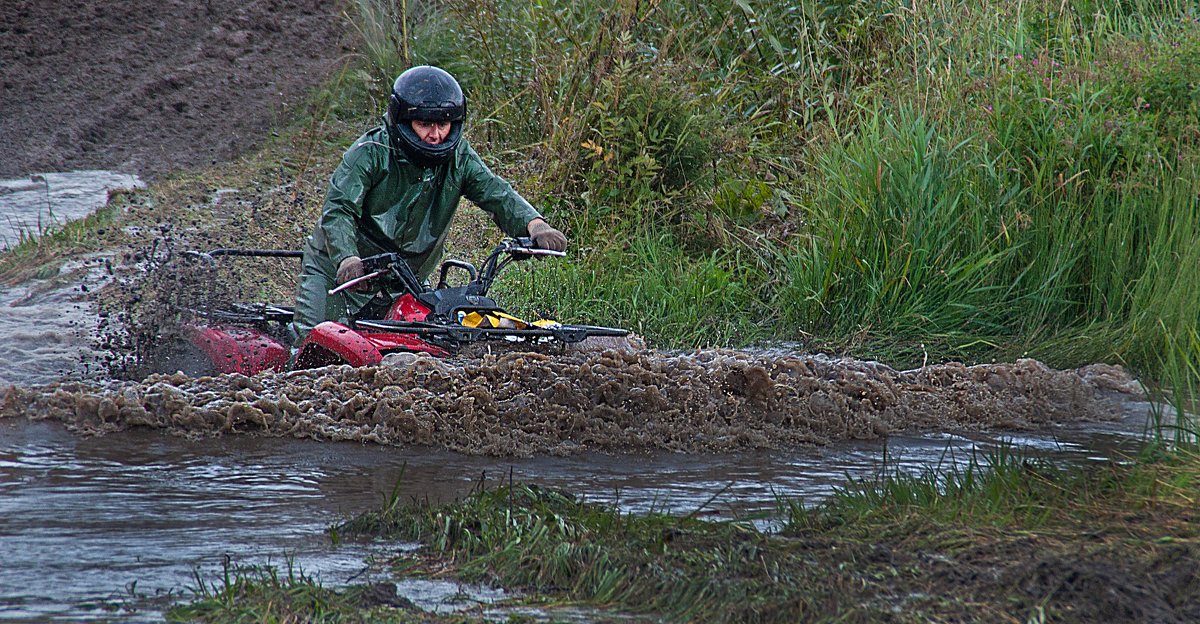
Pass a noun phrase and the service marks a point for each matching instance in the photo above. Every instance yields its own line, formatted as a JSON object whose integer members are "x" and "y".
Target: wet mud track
{"x": 524, "y": 404}
{"x": 152, "y": 86}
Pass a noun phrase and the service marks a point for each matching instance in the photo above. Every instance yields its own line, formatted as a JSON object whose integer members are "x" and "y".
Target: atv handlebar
{"x": 382, "y": 265}
{"x": 508, "y": 250}
{"x": 518, "y": 249}
{"x": 356, "y": 281}
{"x": 525, "y": 246}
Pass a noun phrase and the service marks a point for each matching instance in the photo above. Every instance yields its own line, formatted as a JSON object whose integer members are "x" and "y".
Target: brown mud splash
{"x": 524, "y": 404}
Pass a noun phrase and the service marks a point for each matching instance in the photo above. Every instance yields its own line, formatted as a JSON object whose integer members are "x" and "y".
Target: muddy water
{"x": 32, "y": 205}
{"x": 114, "y": 493}
{"x": 113, "y": 528}
{"x": 47, "y": 325}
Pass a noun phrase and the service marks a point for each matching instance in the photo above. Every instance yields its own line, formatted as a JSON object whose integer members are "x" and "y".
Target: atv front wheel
{"x": 180, "y": 356}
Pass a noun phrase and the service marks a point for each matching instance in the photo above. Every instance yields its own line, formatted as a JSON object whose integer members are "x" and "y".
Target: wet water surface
{"x": 116, "y": 527}
{"x": 47, "y": 325}
{"x": 86, "y": 523}
{"x": 35, "y": 204}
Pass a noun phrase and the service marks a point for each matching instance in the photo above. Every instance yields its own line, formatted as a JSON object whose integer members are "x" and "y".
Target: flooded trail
{"x": 113, "y": 494}
{"x": 93, "y": 527}
{"x": 85, "y": 522}
{"x": 32, "y": 205}
{"x": 48, "y": 325}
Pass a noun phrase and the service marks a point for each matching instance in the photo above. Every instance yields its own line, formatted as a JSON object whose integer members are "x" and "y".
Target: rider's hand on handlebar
{"x": 546, "y": 237}
{"x": 350, "y": 268}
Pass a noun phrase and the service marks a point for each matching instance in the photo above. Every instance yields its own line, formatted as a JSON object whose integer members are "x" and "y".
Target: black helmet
{"x": 428, "y": 94}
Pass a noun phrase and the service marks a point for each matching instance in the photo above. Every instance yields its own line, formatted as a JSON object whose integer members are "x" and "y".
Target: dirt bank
{"x": 524, "y": 404}
{"x": 148, "y": 86}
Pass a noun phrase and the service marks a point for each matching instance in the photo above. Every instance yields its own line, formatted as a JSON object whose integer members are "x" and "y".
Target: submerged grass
{"x": 996, "y": 539}
{"x": 262, "y": 594}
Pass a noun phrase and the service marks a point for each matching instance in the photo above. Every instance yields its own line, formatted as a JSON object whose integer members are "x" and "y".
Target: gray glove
{"x": 546, "y": 237}
{"x": 349, "y": 269}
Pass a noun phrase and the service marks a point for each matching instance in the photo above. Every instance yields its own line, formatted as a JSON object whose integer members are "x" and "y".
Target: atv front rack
{"x": 568, "y": 334}
{"x": 248, "y": 313}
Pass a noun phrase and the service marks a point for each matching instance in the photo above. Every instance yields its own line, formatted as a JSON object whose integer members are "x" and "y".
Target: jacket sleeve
{"x": 362, "y": 167}
{"x": 496, "y": 196}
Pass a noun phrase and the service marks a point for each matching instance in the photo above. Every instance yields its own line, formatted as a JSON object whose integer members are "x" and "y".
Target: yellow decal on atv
{"x": 472, "y": 320}
{"x": 496, "y": 320}
{"x": 510, "y": 322}
{"x": 547, "y": 323}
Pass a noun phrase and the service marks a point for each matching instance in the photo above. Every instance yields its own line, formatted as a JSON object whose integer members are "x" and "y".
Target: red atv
{"x": 405, "y": 315}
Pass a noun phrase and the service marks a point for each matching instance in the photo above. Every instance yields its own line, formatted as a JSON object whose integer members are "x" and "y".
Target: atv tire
{"x": 180, "y": 356}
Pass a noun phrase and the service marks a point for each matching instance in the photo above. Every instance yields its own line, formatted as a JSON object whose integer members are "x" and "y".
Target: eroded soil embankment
{"x": 149, "y": 86}
{"x": 522, "y": 404}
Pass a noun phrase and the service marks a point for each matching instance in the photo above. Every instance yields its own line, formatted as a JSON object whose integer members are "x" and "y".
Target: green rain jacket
{"x": 380, "y": 202}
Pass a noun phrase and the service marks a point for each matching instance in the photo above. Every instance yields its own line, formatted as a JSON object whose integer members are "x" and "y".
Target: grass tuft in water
{"x": 883, "y": 548}
{"x": 40, "y": 253}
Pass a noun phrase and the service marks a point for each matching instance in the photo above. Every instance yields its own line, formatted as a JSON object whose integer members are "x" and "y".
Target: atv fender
{"x": 334, "y": 343}
{"x": 239, "y": 349}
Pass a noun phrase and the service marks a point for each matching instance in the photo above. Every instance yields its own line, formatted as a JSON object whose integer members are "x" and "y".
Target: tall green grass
{"x": 896, "y": 179}
{"x": 1176, "y": 423}
{"x": 902, "y": 241}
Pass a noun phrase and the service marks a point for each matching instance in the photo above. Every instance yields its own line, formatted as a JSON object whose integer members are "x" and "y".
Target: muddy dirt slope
{"x": 147, "y": 86}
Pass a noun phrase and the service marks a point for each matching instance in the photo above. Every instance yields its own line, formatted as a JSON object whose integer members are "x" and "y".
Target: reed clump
{"x": 900, "y": 180}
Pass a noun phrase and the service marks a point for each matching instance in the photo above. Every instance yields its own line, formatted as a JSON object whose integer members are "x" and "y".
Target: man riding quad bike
{"x": 386, "y": 214}
{"x": 395, "y": 192}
